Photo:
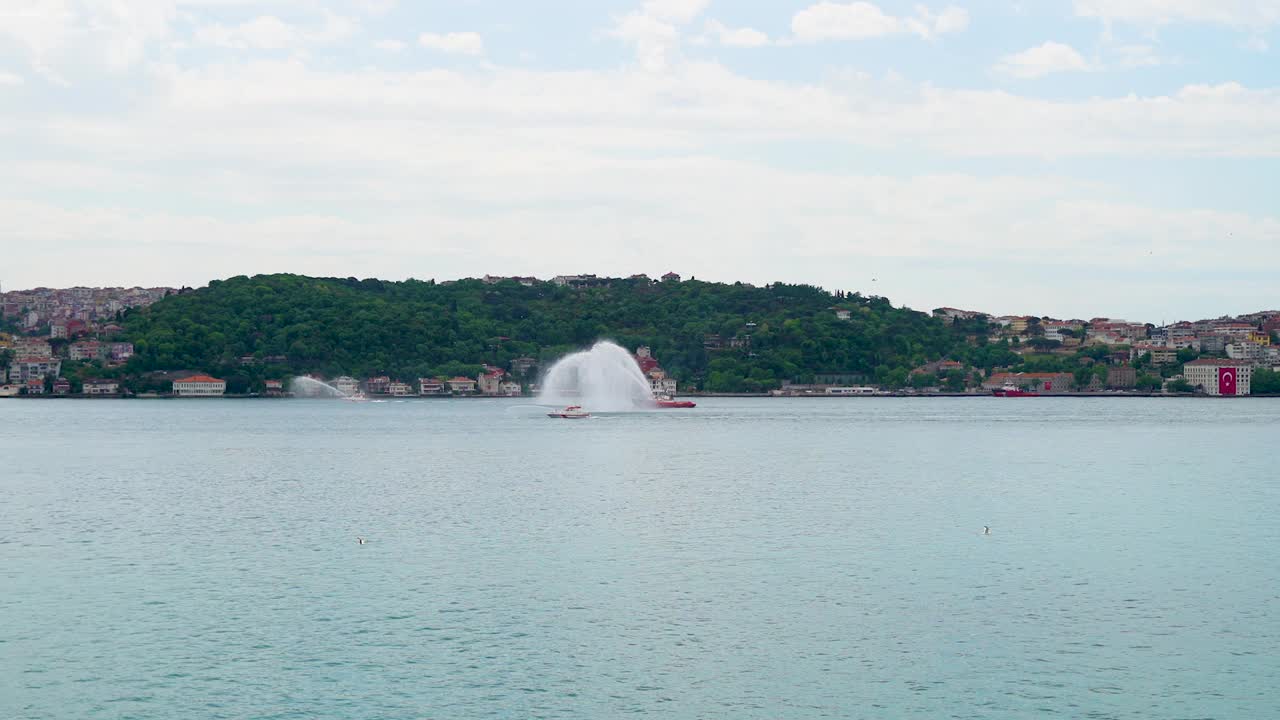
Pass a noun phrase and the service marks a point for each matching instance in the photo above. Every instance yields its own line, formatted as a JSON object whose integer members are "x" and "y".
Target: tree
{"x": 1149, "y": 383}
{"x": 1265, "y": 382}
{"x": 1180, "y": 386}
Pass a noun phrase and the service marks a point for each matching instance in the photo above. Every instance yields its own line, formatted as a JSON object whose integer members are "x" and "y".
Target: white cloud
{"x": 112, "y": 35}
{"x": 390, "y": 45}
{"x": 267, "y": 32}
{"x": 858, "y": 20}
{"x": 735, "y": 37}
{"x": 1242, "y": 14}
{"x": 8, "y": 78}
{"x": 459, "y": 43}
{"x": 1051, "y": 57}
{"x": 1136, "y": 56}
{"x": 655, "y": 31}
{"x": 676, "y": 11}
{"x": 1256, "y": 43}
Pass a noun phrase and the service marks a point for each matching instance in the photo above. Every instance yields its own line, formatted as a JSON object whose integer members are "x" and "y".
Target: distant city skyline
{"x": 1072, "y": 158}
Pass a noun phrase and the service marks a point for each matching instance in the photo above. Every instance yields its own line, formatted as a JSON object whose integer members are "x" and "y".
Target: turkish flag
{"x": 1227, "y": 381}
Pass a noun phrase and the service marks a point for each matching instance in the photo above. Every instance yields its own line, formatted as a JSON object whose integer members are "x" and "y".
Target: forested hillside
{"x": 719, "y": 337}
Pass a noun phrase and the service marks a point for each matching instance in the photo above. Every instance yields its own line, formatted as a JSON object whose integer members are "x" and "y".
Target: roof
{"x": 461, "y": 379}
{"x": 201, "y": 379}
{"x": 1219, "y": 362}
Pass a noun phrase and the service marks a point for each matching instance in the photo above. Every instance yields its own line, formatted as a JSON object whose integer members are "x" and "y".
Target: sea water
{"x": 744, "y": 559}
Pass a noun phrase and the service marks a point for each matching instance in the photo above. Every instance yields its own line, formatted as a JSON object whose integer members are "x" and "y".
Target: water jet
{"x": 605, "y": 378}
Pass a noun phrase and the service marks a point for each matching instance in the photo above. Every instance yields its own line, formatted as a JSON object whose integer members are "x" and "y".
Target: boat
{"x": 355, "y": 397}
{"x": 1011, "y": 390}
{"x": 666, "y": 401}
{"x": 573, "y": 412}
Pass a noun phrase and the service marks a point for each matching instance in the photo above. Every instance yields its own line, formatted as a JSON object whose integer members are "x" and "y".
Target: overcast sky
{"x": 1063, "y": 157}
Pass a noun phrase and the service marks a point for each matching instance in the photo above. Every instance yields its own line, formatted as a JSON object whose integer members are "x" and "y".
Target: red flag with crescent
{"x": 1227, "y": 381}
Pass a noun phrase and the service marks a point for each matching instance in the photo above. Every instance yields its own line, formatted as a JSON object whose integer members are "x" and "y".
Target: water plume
{"x": 309, "y": 387}
{"x": 605, "y": 378}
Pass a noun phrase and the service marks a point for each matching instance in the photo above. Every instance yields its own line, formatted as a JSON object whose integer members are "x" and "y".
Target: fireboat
{"x": 573, "y": 412}
{"x": 666, "y": 401}
{"x": 1011, "y": 390}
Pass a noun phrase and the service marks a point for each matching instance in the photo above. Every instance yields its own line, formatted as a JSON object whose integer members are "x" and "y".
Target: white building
{"x": 1214, "y": 376}
{"x": 490, "y": 382}
{"x": 399, "y": 389}
{"x": 199, "y": 386}
{"x": 26, "y": 369}
{"x": 430, "y": 386}
{"x": 101, "y": 387}
{"x": 509, "y": 388}
{"x": 27, "y": 347}
{"x": 663, "y": 386}
{"x": 85, "y": 350}
{"x": 851, "y": 391}
{"x": 462, "y": 385}
{"x": 1245, "y": 351}
{"x": 346, "y": 385}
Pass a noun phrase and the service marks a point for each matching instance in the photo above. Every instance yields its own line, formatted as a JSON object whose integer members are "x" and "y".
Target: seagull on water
{"x": 986, "y": 529}
{"x": 360, "y": 541}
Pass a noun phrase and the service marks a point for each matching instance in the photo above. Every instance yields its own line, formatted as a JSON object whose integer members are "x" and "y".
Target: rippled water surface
{"x": 746, "y": 559}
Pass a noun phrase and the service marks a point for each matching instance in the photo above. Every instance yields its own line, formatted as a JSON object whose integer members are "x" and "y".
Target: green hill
{"x": 720, "y": 337}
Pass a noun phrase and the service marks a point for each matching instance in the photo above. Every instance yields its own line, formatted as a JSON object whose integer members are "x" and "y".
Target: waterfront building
{"x": 490, "y": 381}
{"x": 380, "y": 385}
{"x": 35, "y": 387}
{"x": 346, "y": 385}
{"x": 509, "y": 388}
{"x": 1219, "y": 377}
{"x": 462, "y": 385}
{"x": 61, "y": 386}
{"x": 1122, "y": 377}
{"x": 399, "y": 389}
{"x": 274, "y": 387}
{"x": 1035, "y": 382}
{"x": 431, "y": 386}
{"x": 199, "y": 386}
{"x": 101, "y": 387}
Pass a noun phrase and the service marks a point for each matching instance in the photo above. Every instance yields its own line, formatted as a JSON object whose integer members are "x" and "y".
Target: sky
{"x": 1073, "y": 158}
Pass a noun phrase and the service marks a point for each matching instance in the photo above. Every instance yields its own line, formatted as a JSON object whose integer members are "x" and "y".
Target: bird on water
{"x": 360, "y": 541}
{"x": 986, "y": 529}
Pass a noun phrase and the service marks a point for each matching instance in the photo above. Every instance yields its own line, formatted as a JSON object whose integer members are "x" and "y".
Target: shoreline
{"x": 761, "y": 396}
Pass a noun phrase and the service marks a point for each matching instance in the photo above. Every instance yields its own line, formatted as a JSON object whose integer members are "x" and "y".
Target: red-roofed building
{"x": 199, "y": 386}
{"x": 1036, "y": 382}
{"x": 490, "y": 381}
{"x": 461, "y": 385}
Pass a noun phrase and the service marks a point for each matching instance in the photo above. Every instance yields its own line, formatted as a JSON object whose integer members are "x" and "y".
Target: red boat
{"x": 1011, "y": 390}
{"x": 666, "y": 402}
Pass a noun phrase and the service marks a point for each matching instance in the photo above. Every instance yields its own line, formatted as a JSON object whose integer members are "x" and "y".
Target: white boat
{"x": 355, "y": 397}
{"x": 573, "y": 412}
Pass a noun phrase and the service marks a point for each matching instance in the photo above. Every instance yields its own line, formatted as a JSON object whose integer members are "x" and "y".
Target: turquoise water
{"x": 747, "y": 559}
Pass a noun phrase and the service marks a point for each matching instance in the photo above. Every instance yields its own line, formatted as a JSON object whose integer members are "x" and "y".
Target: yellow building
{"x": 1260, "y": 338}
